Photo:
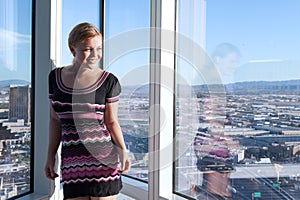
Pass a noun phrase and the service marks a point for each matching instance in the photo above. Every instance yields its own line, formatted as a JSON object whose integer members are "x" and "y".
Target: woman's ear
{"x": 217, "y": 59}
{"x": 72, "y": 50}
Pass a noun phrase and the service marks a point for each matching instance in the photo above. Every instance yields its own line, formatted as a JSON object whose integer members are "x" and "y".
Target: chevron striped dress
{"x": 89, "y": 160}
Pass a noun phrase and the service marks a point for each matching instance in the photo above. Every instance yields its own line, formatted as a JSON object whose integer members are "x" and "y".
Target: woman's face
{"x": 228, "y": 64}
{"x": 89, "y": 51}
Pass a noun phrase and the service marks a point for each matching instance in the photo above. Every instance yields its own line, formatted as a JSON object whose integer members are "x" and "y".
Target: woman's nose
{"x": 94, "y": 52}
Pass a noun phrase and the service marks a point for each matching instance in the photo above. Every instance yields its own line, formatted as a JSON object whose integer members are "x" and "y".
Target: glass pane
{"x": 75, "y": 12}
{"x": 126, "y": 53}
{"x": 237, "y": 103}
{"x": 15, "y": 98}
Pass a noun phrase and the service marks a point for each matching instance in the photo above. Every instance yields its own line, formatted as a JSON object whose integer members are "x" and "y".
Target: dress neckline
{"x": 85, "y": 90}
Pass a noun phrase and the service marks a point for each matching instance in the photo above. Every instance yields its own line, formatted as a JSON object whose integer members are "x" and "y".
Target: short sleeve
{"x": 113, "y": 89}
{"x": 51, "y": 78}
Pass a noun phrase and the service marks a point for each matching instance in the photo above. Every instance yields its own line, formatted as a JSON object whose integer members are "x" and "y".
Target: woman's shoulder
{"x": 111, "y": 76}
{"x": 58, "y": 70}
{"x": 52, "y": 72}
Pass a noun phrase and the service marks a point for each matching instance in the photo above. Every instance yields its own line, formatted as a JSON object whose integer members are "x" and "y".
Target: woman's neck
{"x": 83, "y": 68}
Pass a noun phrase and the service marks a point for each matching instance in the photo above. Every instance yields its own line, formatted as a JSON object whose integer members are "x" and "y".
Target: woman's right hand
{"x": 49, "y": 169}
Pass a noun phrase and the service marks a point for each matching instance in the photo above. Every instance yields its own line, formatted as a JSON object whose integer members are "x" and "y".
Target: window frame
{"x": 43, "y": 25}
{"x": 40, "y": 57}
{"x": 32, "y": 103}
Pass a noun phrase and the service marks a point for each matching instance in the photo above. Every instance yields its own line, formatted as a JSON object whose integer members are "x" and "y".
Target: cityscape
{"x": 262, "y": 118}
{"x": 260, "y": 122}
{"x": 15, "y": 138}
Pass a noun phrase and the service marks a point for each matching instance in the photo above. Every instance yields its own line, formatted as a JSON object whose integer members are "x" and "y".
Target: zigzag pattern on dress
{"x": 89, "y": 172}
{"x": 85, "y": 131}
{"x": 99, "y": 151}
{"x": 215, "y": 157}
{"x": 85, "y": 126}
{"x": 88, "y": 160}
{"x": 96, "y": 164}
{"x": 102, "y": 179}
{"x": 87, "y": 140}
{"x": 73, "y": 139}
{"x": 67, "y": 108}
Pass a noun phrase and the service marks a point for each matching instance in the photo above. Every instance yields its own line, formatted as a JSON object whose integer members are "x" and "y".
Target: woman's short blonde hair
{"x": 80, "y": 33}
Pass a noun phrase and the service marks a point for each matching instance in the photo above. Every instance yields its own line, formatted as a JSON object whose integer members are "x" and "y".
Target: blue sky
{"x": 266, "y": 32}
{"x": 267, "y": 29}
{"x": 121, "y": 16}
{"x": 15, "y": 39}
{"x": 74, "y": 12}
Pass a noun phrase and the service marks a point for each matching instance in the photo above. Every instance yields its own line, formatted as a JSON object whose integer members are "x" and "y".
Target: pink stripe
{"x": 85, "y": 132}
{"x": 83, "y": 90}
{"x": 57, "y": 103}
{"x": 87, "y": 138}
{"x": 91, "y": 169}
{"x": 102, "y": 79}
{"x": 93, "y": 180}
{"x": 112, "y": 99}
{"x": 81, "y": 115}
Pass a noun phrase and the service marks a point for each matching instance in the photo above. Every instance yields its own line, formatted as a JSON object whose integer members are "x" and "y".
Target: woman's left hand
{"x": 125, "y": 162}
{"x": 126, "y": 166}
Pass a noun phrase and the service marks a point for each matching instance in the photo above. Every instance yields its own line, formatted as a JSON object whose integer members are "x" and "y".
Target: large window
{"x": 15, "y": 98}
{"x": 126, "y": 54}
{"x": 74, "y": 12}
{"x": 237, "y": 105}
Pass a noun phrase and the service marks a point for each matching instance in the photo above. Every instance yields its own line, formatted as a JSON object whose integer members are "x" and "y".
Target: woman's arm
{"x": 54, "y": 141}
{"x": 112, "y": 124}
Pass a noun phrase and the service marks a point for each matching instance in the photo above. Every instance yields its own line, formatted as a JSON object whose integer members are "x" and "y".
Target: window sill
{"x": 34, "y": 196}
{"x": 134, "y": 189}
{"x": 131, "y": 188}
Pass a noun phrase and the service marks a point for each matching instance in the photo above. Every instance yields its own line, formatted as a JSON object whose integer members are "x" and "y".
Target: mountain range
{"x": 7, "y": 83}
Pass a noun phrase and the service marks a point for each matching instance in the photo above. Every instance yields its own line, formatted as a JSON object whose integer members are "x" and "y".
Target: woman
{"x": 83, "y": 116}
{"x": 226, "y": 58}
{"x": 214, "y": 150}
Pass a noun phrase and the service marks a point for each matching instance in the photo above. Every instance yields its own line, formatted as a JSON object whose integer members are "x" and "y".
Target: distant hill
{"x": 255, "y": 87}
{"x": 267, "y": 87}
{"x": 137, "y": 90}
{"x": 7, "y": 83}
{"x": 247, "y": 87}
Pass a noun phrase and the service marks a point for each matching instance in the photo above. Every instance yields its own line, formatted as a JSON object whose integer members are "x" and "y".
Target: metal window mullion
{"x": 102, "y": 27}
{"x": 42, "y": 67}
{"x": 154, "y": 100}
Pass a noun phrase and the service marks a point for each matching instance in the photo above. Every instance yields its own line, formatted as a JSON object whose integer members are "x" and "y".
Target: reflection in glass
{"x": 74, "y": 12}
{"x": 126, "y": 54}
{"x": 244, "y": 145}
{"x": 15, "y": 97}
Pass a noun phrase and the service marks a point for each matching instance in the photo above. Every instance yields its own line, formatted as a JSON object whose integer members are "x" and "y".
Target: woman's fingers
{"x": 125, "y": 167}
{"x": 50, "y": 172}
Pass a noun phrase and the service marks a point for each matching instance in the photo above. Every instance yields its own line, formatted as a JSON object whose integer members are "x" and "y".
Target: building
{"x": 20, "y": 103}
{"x": 170, "y": 61}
